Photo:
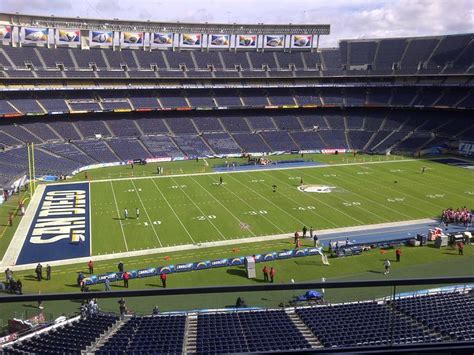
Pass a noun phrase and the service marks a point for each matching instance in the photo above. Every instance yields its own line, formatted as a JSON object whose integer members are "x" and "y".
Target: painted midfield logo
{"x": 320, "y": 189}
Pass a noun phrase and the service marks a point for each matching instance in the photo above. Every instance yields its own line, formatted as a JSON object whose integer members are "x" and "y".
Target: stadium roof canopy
{"x": 151, "y": 26}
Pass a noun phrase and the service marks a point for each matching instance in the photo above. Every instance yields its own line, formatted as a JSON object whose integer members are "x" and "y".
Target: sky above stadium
{"x": 348, "y": 19}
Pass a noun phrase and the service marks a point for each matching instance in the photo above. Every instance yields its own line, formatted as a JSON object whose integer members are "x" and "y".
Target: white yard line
{"x": 318, "y": 201}
{"x": 449, "y": 181}
{"x": 119, "y": 217}
{"x": 374, "y": 191}
{"x": 399, "y": 191}
{"x": 380, "y": 218}
{"x": 16, "y": 244}
{"x": 321, "y": 233}
{"x": 174, "y": 212}
{"x": 219, "y": 202}
{"x": 200, "y": 210}
{"x": 146, "y": 212}
{"x": 248, "y": 205}
{"x": 271, "y": 202}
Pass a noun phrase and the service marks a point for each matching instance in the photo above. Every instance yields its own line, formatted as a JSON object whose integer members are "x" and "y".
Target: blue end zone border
{"x": 63, "y": 214}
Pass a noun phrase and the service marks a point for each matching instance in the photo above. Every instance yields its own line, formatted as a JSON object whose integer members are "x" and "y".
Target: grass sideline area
{"x": 363, "y": 194}
{"x": 11, "y": 206}
{"x": 415, "y": 262}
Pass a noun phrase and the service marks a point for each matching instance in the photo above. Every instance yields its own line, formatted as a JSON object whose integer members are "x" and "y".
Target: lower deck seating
{"x": 71, "y": 338}
{"x": 243, "y": 332}
{"x": 149, "y": 334}
{"x": 411, "y": 320}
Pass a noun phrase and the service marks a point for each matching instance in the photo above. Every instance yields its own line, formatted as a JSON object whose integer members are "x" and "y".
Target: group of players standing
{"x": 459, "y": 215}
{"x": 312, "y": 235}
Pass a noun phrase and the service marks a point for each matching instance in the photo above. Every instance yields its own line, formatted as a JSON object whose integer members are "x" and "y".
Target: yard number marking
{"x": 396, "y": 199}
{"x": 435, "y": 196}
{"x": 203, "y": 218}
{"x": 154, "y": 222}
{"x": 351, "y": 204}
{"x": 255, "y": 213}
{"x": 301, "y": 208}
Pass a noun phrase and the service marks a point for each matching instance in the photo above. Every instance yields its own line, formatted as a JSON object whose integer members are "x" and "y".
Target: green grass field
{"x": 196, "y": 209}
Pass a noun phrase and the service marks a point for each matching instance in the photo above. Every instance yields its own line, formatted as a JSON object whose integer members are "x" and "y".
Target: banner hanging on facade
{"x": 219, "y": 40}
{"x": 36, "y": 34}
{"x": 71, "y": 36}
{"x": 274, "y": 41}
{"x": 5, "y": 33}
{"x": 301, "y": 41}
{"x": 246, "y": 41}
{"x": 162, "y": 39}
{"x": 104, "y": 38}
{"x": 132, "y": 38}
{"x": 191, "y": 40}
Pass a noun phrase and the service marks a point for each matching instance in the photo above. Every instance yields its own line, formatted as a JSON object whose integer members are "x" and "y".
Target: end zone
{"x": 56, "y": 226}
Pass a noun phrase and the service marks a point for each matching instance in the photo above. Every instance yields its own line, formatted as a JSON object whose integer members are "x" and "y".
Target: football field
{"x": 197, "y": 208}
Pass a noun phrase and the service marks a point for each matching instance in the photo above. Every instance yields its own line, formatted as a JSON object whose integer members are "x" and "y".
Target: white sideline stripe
{"x": 246, "y": 171}
{"x": 219, "y": 243}
{"x": 118, "y": 215}
{"x": 16, "y": 244}
{"x": 90, "y": 218}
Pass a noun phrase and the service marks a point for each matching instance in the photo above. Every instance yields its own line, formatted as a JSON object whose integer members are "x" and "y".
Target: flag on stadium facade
{"x": 219, "y": 40}
{"x": 274, "y": 41}
{"x": 192, "y": 40}
{"x": 101, "y": 37}
{"x": 163, "y": 39}
{"x": 5, "y": 32}
{"x": 69, "y": 36}
{"x": 247, "y": 41}
{"x": 301, "y": 41}
{"x": 133, "y": 37}
{"x": 36, "y": 34}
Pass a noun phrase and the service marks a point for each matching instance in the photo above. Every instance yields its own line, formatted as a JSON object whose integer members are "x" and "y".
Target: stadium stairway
{"x": 303, "y": 329}
{"x": 104, "y": 337}
{"x": 108, "y": 128}
{"x": 190, "y": 334}
{"x": 144, "y": 146}
{"x": 139, "y": 129}
{"x": 113, "y": 151}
